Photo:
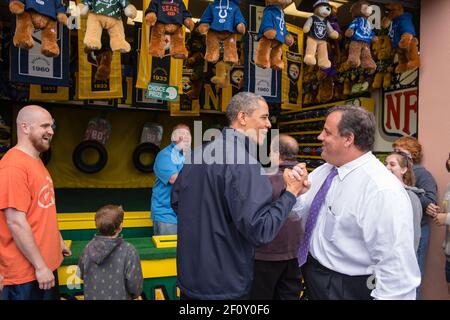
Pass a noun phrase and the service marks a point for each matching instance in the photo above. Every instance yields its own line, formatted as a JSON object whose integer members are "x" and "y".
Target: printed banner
{"x": 264, "y": 82}
{"x": 292, "y": 73}
{"x": 400, "y": 112}
{"x": 45, "y": 92}
{"x": 166, "y": 70}
{"x": 31, "y": 66}
{"x": 88, "y": 87}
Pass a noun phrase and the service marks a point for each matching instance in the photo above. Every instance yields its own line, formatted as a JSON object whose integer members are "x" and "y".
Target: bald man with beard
{"x": 31, "y": 246}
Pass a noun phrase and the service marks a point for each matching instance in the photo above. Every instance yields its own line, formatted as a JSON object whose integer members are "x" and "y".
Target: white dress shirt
{"x": 365, "y": 226}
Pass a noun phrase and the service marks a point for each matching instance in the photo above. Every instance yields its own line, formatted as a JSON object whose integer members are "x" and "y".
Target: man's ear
{"x": 349, "y": 140}
{"x": 241, "y": 117}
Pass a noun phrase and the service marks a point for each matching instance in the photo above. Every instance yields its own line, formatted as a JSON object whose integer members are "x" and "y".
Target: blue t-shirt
{"x": 363, "y": 30}
{"x": 47, "y": 8}
{"x": 169, "y": 161}
{"x": 400, "y": 25}
{"x": 223, "y": 15}
{"x": 169, "y": 11}
{"x": 273, "y": 18}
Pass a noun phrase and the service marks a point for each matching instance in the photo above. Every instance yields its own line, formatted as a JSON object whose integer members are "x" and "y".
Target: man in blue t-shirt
{"x": 168, "y": 164}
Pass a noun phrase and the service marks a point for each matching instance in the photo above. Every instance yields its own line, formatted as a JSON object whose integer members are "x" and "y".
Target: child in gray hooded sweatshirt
{"x": 109, "y": 266}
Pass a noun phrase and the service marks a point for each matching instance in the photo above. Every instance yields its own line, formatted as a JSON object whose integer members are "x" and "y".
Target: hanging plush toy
{"x": 222, "y": 21}
{"x": 272, "y": 35}
{"x": 101, "y": 58}
{"x": 403, "y": 37}
{"x": 318, "y": 30}
{"x": 38, "y": 15}
{"x": 106, "y": 14}
{"x": 167, "y": 17}
{"x": 361, "y": 36}
{"x": 196, "y": 61}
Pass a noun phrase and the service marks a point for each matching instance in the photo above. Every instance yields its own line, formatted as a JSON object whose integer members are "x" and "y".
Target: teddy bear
{"x": 222, "y": 21}
{"x": 38, "y": 15}
{"x": 101, "y": 58}
{"x": 361, "y": 36}
{"x": 167, "y": 18}
{"x": 382, "y": 52}
{"x": 403, "y": 37}
{"x": 272, "y": 35}
{"x": 196, "y": 61}
{"x": 318, "y": 29}
{"x": 106, "y": 14}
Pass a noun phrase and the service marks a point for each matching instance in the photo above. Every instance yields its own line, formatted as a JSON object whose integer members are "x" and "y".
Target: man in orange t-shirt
{"x": 31, "y": 246}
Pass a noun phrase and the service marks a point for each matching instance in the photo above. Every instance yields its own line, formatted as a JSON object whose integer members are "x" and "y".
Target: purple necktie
{"x": 316, "y": 204}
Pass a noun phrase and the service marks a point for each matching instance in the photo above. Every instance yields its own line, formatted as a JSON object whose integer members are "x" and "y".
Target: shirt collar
{"x": 345, "y": 169}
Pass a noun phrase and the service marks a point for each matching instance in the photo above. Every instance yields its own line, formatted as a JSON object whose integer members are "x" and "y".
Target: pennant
{"x": 46, "y": 92}
{"x": 293, "y": 71}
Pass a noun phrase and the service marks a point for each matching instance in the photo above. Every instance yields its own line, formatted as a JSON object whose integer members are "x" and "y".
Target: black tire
{"x": 46, "y": 156}
{"x": 77, "y": 156}
{"x": 146, "y": 147}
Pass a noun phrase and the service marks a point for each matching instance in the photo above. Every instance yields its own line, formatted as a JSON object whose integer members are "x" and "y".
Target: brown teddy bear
{"x": 106, "y": 14}
{"x": 403, "y": 37}
{"x": 318, "y": 30}
{"x": 101, "y": 58}
{"x": 272, "y": 35}
{"x": 383, "y": 52}
{"x": 361, "y": 36}
{"x": 168, "y": 18}
{"x": 196, "y": 61}
{"x": 221, "y": 22}
{"x": 38, "y": 15}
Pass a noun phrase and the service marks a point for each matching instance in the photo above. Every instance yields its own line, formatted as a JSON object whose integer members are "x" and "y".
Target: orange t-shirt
{"x": 25, "y": 185}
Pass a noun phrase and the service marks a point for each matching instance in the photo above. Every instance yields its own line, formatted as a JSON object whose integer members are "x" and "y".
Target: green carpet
{"x": 145, "y": 247}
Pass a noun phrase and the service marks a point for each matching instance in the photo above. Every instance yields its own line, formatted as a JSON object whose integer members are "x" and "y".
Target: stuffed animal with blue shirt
{"x": 222, "y": 21}
{"x": 38, "y": 14}
{"x": 403, "y": 37}
{"x": 361, "y": 36}
{"x": 272, "y": 35}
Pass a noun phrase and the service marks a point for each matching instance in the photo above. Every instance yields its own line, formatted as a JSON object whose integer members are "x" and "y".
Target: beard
{"x": 39, "y": 144}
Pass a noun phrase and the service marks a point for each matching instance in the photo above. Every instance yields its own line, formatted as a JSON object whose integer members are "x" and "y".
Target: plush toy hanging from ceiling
{"x": 222, "y": 21}
{"x": 403, "y": 37}
{"x": 318, "y": 30}
{"x": 272, "y": 35}
{"x": 41, "y": 15}
{"x": 106, "y": 14}
{"x": 361, "y": 36}
{"x": 168, "y": 17}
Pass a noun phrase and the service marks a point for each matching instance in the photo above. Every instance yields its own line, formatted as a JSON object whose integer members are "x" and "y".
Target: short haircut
{"x": 359, "y": 122}
{"x": 242, "y": 102}
{"x": 405, "y": 161}
{"x": 287, "y": 147}
{"x": 108, "y": 219}
{"x": 173, "y": 137}
{"x": 412, "y": 145}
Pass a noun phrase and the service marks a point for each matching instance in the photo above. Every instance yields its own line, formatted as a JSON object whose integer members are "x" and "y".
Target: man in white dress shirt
{"x": 361, "y": 244}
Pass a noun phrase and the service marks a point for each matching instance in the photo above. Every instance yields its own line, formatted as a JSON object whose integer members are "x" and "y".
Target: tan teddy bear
{"x": 38, "y": 15}
{"x": 272, "y": 35}
{"x": 222, "y": 21}
{"x": 106, "y": 14}
{"x": 168, "y": 19}
{"x": 318, "y": 30}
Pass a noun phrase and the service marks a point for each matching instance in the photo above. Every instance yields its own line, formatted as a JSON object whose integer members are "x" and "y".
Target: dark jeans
{"x": 276, "y": 280}
{"x": 325, "y": 284}
{"x": 31, "y": 291}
